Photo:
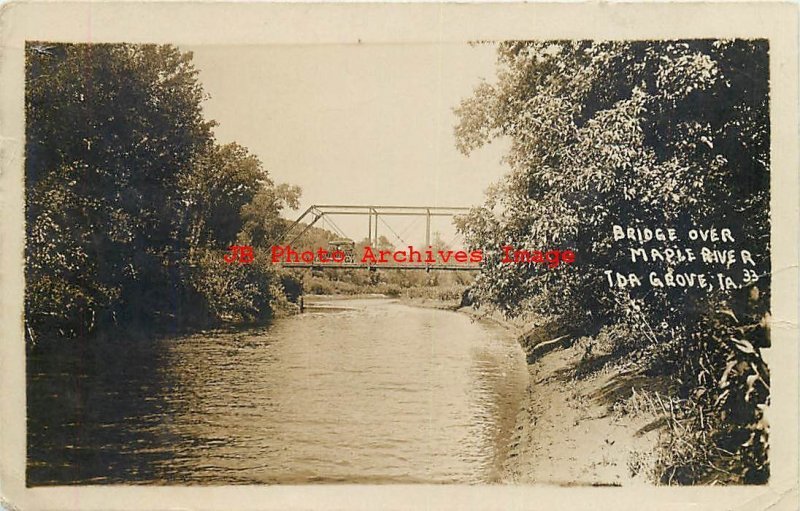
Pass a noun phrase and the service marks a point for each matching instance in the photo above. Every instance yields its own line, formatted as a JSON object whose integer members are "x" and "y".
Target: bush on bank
{"x": 393, "y": 284}
{"x": 239, "y": 292}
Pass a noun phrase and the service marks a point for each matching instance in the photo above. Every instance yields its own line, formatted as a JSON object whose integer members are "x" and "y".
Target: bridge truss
{"x": 373, "y": 213}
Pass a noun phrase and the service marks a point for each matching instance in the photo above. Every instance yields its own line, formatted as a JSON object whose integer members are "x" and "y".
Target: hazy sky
{"x": 354, "y": 124}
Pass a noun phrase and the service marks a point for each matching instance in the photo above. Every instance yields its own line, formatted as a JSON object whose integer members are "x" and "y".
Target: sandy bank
{"x": 567, "y": 431}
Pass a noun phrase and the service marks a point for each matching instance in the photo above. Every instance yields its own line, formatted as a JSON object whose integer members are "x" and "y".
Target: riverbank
{"x": 575, "y": 426}
{"x": 432, "y": 303}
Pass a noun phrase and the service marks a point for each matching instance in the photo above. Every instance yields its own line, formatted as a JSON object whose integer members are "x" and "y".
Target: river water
{"x": 359, "y": 391}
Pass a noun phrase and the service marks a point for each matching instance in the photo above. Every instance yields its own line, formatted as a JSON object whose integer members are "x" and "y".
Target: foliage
{"x": 108, "y": 129}
{"x": 292, "y": 283}
{"x": 409, "y": 284}
{"x": 444, "y": 293}
{"x": 214, "y": 189}
{"x": 128, "y": 194}
{"x": 237, "y": 292}
{"x": 726, "y": 385}
{"x": 641, "y": 134}
{"x": 261, "y": 216}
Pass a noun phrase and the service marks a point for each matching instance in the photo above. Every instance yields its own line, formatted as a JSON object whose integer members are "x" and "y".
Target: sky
{"x": 355, "y": 124}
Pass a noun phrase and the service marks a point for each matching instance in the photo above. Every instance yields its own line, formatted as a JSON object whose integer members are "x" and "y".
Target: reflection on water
{"x": 375, "y": 393}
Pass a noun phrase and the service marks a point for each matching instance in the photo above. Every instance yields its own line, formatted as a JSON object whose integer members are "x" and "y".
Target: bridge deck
{"x": 387, "y": 266}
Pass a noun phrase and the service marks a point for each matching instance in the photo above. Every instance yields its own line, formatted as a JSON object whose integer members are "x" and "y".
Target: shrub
{"x": 236, "y": 292}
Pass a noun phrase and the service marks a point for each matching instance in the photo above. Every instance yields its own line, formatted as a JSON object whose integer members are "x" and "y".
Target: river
{"x": 354, "y": 390}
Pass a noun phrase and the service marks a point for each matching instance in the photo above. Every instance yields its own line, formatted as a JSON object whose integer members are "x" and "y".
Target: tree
{"x": 642, "y": 134}
{"x": 128, "y": 196}
{"x": 219, "y": 184}
{"x": 383, "y": 243}
{"x": 629, "y": 133}
{"x": 109, "y": 130}
{"x": 262, "y": 223}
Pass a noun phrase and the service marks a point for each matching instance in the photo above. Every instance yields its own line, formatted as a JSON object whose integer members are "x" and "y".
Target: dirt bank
{"x": 569, "y": 431}
{"x": 431, "y": 303}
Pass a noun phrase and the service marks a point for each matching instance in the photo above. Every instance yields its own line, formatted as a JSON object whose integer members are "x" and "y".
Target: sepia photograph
{"x": 155, "y": 357}
{"x": 498, "y": 261}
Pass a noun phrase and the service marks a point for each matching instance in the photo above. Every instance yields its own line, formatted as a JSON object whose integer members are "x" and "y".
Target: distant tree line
{"x": 658, "y": 134}
{"x": 435, "y": 284}
{"x": 130, "y": 200}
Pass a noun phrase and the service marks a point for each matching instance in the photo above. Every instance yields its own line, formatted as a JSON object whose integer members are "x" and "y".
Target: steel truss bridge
{"x": 374, "y": 215}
